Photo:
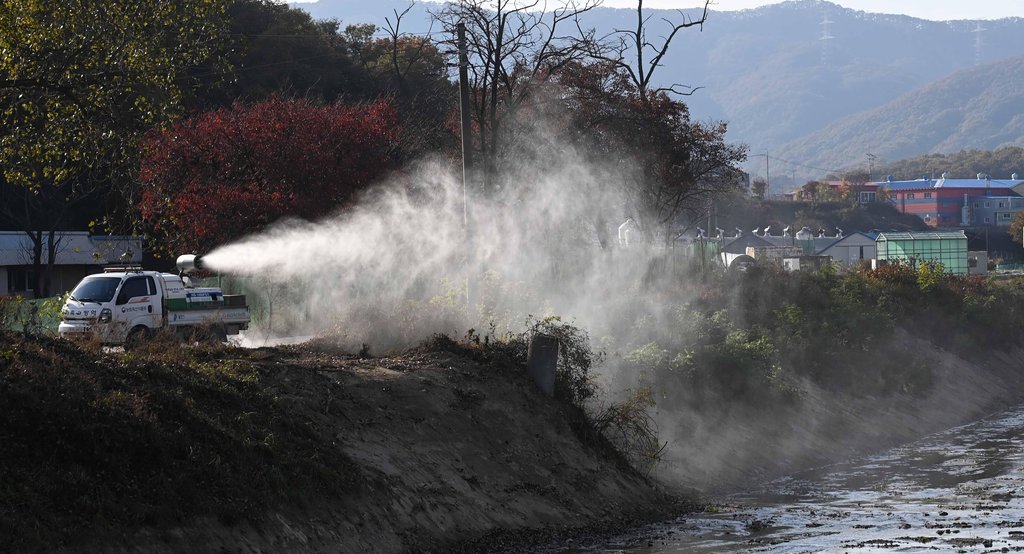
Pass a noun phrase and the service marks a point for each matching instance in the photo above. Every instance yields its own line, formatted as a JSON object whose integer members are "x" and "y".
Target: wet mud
{"x": 960, "y": 490}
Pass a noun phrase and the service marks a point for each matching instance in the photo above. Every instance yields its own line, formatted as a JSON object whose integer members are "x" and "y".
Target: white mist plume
{"x": 393, "y": 269}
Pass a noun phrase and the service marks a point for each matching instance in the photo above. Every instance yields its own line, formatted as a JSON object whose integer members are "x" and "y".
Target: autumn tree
{"x": 80, "y": 80}
{"x": 672, "y": 167}
{"x": 276, "y": 49}
{"x": 1017, "y": 228}
{"x": 221, "y": 175}
{"x": 813, "y": 191}
{"x": 638, "y": 55}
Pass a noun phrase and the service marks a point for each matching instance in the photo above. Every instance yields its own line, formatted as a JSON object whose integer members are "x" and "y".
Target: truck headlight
{"x": 105, "y": 315}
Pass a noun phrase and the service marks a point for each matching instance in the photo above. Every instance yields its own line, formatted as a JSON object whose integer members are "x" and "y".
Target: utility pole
{"x": 767, "y": 174}
{"x": 467, "y": 149}
{"x": 467, "y": 127}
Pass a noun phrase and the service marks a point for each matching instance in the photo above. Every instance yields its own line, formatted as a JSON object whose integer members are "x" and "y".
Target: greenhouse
{"x": 946, "y": 247}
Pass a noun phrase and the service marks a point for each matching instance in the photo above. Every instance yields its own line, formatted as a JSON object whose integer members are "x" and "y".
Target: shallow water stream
{"x": 959, "y": 490}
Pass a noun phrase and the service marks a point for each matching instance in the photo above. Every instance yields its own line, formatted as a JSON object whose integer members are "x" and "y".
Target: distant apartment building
{"x": 942, "y": 202}
{"x": 946, "y": 202}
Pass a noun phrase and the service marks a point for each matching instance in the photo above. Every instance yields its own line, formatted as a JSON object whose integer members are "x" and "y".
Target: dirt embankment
{"x": 293, "y": 449}
{"x": 303, "y": 449}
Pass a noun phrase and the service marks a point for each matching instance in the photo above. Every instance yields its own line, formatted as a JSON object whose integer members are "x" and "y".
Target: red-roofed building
{"x": 950, "y": 202}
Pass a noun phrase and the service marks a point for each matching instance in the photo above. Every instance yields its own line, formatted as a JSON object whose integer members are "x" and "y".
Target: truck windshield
{"x": 96, "y": 289}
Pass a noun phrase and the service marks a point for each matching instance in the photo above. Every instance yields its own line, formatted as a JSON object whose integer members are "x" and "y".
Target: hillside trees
{"x": 275, "y": 49}
{"x": 79, "y": 82}
{"x": 224, "y": 174}
{"x": 668, "y": 166}
{"x": 966, "y": 164}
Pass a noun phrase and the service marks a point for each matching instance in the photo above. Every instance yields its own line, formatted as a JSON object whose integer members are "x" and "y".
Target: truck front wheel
{"x": 136, "y": 337}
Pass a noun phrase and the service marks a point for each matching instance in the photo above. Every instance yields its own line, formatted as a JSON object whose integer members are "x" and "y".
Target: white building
{"x": 77, "y": 254}
{"x": 851, "y": 250}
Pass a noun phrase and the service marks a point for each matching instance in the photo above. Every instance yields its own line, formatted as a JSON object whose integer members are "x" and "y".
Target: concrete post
{"x": 541, "y": 362}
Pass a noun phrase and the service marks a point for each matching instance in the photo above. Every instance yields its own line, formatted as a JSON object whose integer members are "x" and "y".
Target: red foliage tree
{"x": 221, "y": 175}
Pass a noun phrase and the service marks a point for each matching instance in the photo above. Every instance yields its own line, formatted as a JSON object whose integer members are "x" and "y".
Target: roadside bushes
{"x": 751, "y": 339}
{"x": 747, "y": 344}
{"x": 36, "y": 316}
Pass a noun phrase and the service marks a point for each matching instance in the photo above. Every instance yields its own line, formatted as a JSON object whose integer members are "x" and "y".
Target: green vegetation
{"x": 623, "y": 429}
{"x": 753, "y": 340}
{"x": 35, "y": 316}
{"x": 110, "y": 441}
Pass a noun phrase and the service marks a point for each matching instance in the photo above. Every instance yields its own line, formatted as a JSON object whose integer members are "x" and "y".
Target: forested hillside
{"x": 979, "y": 108}
{"x": 965, "y": 164}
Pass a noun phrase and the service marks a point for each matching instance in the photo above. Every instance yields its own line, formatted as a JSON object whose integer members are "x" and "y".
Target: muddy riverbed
{"x": 958, "y": 490}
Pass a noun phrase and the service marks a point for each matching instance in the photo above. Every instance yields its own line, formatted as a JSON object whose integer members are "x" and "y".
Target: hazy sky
{"x": 939, "y": 10}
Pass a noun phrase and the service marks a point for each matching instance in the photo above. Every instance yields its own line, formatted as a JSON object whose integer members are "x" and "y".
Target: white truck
{"x": 124, "y": 306}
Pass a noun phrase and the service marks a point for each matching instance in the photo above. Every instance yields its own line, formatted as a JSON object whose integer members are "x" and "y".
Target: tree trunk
{"x": 37, "y": 263}
{"x": 601, "y": 227}
{"x": 51, "y": 261}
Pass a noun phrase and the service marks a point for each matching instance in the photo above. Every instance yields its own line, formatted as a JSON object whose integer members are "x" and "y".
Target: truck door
{"x": 138, "y": 303}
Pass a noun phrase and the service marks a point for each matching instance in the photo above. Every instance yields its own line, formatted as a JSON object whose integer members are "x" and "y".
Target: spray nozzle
{"x": 188, "y": 263}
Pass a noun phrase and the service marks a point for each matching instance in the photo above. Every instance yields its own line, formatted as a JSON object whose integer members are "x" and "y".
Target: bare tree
{"x": 514, "y": 47}
{"x": 41, "y": 214}
{"x": 406, "y": 50}
{"x": 634, "y": 52}
{"x": 412, "y": 70}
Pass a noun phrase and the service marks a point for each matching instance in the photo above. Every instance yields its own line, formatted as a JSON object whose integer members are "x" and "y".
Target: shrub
{"x": 629, "y": 426}
{"x": 573, "y": 380}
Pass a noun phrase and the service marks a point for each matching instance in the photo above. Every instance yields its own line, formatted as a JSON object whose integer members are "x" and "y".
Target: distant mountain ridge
{"x": 978, "y": 108}
{"x": 782, "y": 72}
